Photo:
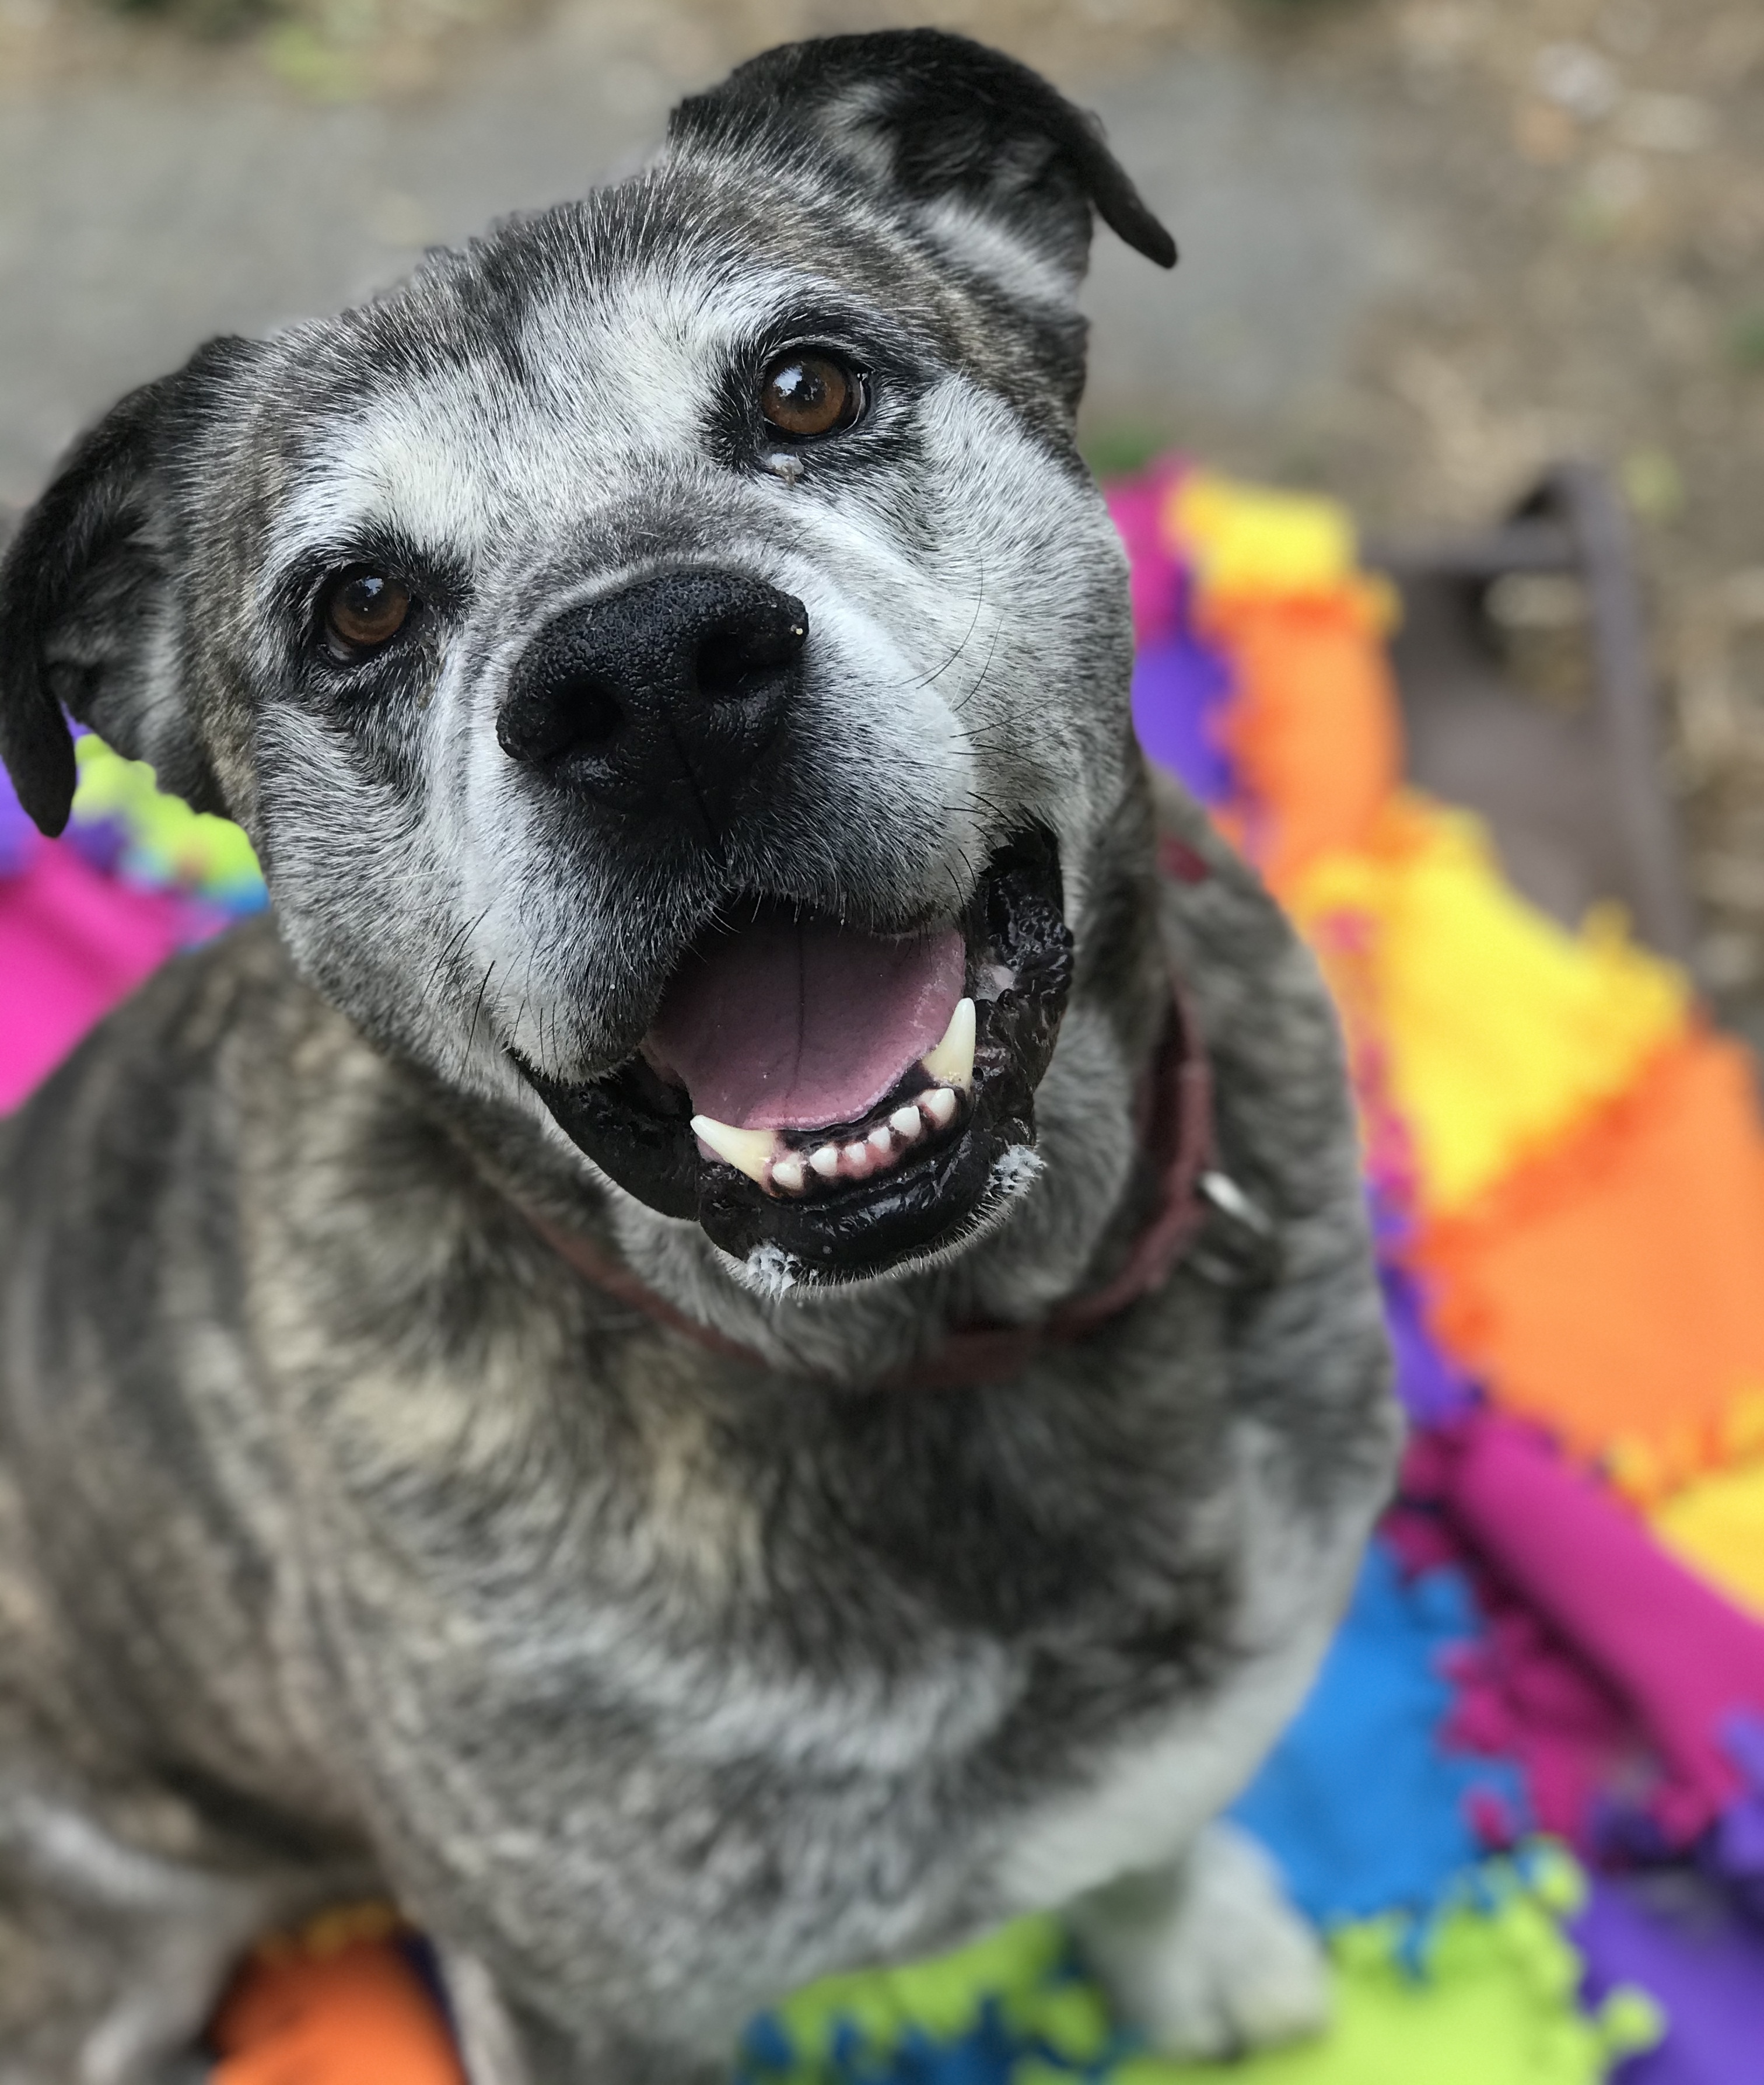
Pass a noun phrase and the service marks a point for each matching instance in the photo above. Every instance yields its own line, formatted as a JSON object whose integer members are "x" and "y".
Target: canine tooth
{"x": 826, "y": 1161}
{"x": 857, "y": 1154}
{"x": 747, "y": 1150}
{"x": 880, "y": 1141}
{"x": 951, "y": 1063}
{"x": 940, "y": 1104}
{"x": 906, "y": 1123}
{"x": 788, "y": 1175}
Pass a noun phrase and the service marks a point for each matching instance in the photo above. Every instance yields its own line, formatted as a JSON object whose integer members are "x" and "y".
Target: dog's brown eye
{"x": 806, "y": 395}
{"x": 364, "y": 610}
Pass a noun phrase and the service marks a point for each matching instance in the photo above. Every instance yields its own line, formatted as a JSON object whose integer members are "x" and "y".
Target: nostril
{"x": 580, "y": 713}
{"x": 596, "y": 713}
{"x": 724, "y": 665}
{"x": 739, "y": 658}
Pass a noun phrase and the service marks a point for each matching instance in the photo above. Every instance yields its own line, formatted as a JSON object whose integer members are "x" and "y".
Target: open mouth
{"x": 849, "y": 1099}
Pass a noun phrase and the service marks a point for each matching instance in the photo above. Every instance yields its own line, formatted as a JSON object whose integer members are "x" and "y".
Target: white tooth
{"x": 940, "y": 1104}
{"x": 951, "y": 1063}
{"x": 747, "y": 1150}
{"x": 788, "y": 1175}
{"x": 880, "y": 1141}
{"x": 826, "y": 1161}
{"x": 904, "y": 1122}
{"x": 857, "y": 1154}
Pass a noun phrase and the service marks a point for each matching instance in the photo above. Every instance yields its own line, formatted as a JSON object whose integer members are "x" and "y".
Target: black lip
{"x": 638, "y": 1129}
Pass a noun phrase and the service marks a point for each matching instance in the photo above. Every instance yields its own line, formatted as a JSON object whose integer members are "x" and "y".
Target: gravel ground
{"x": 1427, "y": 247}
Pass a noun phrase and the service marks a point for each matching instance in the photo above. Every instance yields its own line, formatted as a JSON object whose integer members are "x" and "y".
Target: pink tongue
{"x": 792, "y": 1025}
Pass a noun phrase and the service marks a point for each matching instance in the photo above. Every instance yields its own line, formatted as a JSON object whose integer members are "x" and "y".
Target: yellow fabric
{"x": 1717, "y": 1526}
{"x": 1241, "y": 538}
{"x": 1501, "y": 1030}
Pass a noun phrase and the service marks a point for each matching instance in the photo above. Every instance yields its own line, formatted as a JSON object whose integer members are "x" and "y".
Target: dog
{"x": 739, "y": 1342}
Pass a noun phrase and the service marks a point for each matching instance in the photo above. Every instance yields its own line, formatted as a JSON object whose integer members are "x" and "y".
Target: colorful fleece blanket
{"x": 1525, "y": 1801}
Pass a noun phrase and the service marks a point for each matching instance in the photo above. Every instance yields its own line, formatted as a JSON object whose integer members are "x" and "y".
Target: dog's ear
{"x": 1000, "y": 167}
{"x": 85, "y": 599}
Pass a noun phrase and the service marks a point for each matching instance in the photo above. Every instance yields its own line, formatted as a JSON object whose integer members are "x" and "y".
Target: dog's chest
{"x": 780, "y": 1807}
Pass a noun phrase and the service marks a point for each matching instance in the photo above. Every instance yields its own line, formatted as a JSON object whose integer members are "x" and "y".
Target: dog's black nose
{"x": 660, "y": 697}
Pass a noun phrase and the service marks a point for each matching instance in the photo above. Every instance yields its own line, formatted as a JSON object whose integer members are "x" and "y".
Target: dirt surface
{"x": 1427, "y": 247}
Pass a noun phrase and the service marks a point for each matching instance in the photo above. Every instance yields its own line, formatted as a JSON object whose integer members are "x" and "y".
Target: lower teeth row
{"x": 934, "y": 1110}
{"x": 950, "y": 1069}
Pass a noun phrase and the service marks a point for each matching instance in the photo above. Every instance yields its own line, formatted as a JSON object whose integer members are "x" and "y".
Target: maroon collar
{"x": 1177, "y": 1140}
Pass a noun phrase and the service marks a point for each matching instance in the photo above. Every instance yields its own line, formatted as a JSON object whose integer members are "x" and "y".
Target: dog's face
{"x": 669, "y": 656}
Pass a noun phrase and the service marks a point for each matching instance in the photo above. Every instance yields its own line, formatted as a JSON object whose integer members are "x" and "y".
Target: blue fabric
{"x": 1361, "y": 1806}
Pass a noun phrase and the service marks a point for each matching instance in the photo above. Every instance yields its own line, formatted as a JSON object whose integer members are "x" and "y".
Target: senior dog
{"x": 739, "y": 1343}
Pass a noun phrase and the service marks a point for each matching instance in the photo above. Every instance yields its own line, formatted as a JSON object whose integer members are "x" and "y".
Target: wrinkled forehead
{"x": 509, "y": 389}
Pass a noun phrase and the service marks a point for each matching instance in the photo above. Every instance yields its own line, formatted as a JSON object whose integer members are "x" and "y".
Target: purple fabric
{"x": 19, "y": 838}
{"x": 1180, "y": 690}
{"x": 1673, "y": 1936}
{"x": 1434, "y": 1389}
{"x": 1735, "y": 1849}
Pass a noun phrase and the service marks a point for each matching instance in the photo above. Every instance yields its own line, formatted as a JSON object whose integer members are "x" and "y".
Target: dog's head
{"x": 669, "y": 656}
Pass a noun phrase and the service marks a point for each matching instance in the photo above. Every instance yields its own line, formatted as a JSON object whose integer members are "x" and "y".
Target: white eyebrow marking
{"x": 459, "y": 458}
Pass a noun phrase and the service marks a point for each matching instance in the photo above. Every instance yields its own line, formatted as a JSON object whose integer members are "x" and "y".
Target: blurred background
{"x": 1428, "y": 245}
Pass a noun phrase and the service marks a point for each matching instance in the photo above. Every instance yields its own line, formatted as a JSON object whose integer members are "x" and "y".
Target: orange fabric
{"x": 1614, "y": 1288}
{"x": 358, "y": 2015}
{"x": 1313, "y": 730}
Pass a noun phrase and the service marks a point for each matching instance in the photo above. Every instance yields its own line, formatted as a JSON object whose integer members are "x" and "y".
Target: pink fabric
{"x": 72, "y": 943}
{"x": 1521, "y": 1692}
{"x": 1673, "y": 1653}
{"x": 1157, "y": 579}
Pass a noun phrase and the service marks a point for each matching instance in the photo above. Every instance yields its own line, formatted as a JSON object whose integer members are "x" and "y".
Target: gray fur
{"x": 349, "y": 1539}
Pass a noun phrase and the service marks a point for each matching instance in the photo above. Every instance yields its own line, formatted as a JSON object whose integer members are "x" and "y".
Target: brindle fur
{"x": 349, "y": 1541}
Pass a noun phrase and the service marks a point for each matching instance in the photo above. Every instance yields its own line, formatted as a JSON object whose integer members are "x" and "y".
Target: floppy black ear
{"x": 956, "y": 127}
{"x": 85, "y": 607}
